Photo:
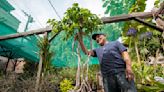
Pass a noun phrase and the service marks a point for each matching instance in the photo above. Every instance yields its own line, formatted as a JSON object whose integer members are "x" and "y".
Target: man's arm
{"x": 123, "y": 50}
{"x": 129, "y": 72}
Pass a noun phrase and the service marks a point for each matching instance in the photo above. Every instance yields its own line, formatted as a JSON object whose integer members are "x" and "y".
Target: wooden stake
{"x": 38, "y": 74}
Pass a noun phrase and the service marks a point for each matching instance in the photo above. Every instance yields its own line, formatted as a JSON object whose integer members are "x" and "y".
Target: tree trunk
{"x": 78, "y": 69}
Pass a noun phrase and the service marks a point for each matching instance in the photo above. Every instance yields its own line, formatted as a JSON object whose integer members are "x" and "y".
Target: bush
{"x": 66, "y": 85}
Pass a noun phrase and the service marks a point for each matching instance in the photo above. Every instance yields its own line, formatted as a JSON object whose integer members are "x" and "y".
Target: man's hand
{"x": 129, "y": 73}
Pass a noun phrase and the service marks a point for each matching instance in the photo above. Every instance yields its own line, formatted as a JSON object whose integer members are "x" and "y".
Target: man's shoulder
{"x": 95, "y": 49}
{"x": 115, "y": 42}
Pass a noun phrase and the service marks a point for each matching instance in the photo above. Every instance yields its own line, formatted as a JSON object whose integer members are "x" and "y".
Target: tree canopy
{"x": 76, "y": 19}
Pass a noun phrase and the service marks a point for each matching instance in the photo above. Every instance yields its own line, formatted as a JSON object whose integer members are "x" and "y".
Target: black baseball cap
{"x": 94, "y": 35}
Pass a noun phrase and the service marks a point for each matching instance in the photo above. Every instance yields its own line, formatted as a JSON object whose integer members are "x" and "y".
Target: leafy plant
{"x": 157, "y": 87}
{"x": 139, "y": 6}
{"x": 46, "y": 54}
{"x": 143, "y": 73}
{"x": 81, "y": 19}
{"x": 144, "y": 77}
{"x": 146, "y": 40}
{"x": 66, "y": 85}
{"x": 63, "y": 73}
{"x": 93, "y": 69}
{"x": 76, "y": 19}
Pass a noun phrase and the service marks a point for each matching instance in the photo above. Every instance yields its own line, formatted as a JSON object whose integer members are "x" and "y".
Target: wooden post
{"x": 38, "y": 74}
{"x": 8, "y": 60}
{"x": 23, "y": 34}
{"x": 15, "y": 64}
{"x": 126, "y": 17}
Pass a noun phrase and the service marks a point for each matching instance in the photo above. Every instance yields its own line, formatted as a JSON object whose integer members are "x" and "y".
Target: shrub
{"x": 66, "y": 85}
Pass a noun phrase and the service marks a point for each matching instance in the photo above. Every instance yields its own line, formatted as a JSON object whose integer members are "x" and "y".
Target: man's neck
{"x": 106, "y": 42}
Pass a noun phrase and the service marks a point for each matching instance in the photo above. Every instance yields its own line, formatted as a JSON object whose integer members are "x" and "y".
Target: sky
{"x": 41, "y": 10}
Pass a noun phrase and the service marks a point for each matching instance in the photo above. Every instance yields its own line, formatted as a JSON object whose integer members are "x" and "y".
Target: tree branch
{"x": 148, "y": 24}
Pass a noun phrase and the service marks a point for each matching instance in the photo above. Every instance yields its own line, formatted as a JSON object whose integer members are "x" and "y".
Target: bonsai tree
{"x": 78, "y": 20}
{"x": 75, "y": 20}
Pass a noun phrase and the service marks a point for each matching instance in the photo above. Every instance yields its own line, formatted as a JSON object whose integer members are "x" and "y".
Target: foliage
{"x": 81, "y": 19}
{"x": 66, "y": 85}
{"x": 139, "y": 6}
{"x": 70, "y": 73}
{"x": 76, "y": 19}
{"x": 63, "y": 73}
{"x": 93, "y": 70}
{"x": 157, "y": 3}
{"x": 146, "y": 39}
{"x": 144, "y": 74}
{"x": 144, "y": 77}
{"x": 45, "y": 53}
{"x": 143, "y": 42}
{"x": 56, "y": 25}
{"x": 116, "y": 7}
{"x": 157, "y": 87}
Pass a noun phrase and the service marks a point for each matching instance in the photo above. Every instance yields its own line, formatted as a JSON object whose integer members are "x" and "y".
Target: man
{"x": 115, "y": 63}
